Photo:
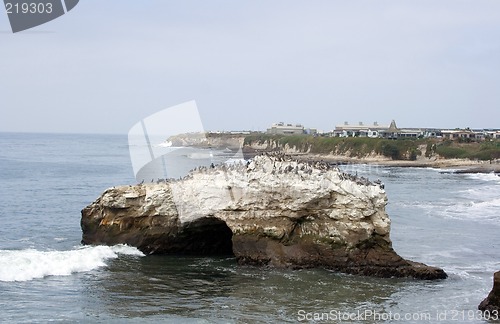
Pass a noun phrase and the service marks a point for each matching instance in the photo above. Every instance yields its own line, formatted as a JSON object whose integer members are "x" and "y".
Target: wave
{"x": 441, "y": 170}
{"x": 165, "y": 144}
{"x": 465, "y": 200}
{"x": 29, "y": 264}
{"x": 471, "y": 205}
{"x": 164, "y": 148}
{"x": 485, "y": 177}
{"x": 472, "y": 271}
{"x": 200, "y": 156}
{"x": 485, "y": 211}
{"x": 478, "y": 192}
{"x": 494, "y": 203}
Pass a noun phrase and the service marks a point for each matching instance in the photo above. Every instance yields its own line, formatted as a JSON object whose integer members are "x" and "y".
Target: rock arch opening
{"x": 206, "y": 236}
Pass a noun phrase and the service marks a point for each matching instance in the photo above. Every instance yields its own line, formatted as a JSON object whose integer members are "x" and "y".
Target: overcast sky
{"x": 108, "y": 64}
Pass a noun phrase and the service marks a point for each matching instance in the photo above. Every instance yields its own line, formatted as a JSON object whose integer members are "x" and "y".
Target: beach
{"x": 458, "y": 165}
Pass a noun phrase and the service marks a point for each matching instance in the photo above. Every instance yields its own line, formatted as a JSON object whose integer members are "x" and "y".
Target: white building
{"x": 383, "y": 131}
{"x": 360, "y": 130}
{"x": 285, "y": 129}
{"x": 494, "y": 134}
{"x": 454, "y": 134}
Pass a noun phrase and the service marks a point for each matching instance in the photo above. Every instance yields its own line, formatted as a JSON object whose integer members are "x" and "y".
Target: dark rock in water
{"x": 379, "y": 260}
{"x": 263, "y": 213}
{"x": 495, "y": 169}
{"x": 492, "y": 302}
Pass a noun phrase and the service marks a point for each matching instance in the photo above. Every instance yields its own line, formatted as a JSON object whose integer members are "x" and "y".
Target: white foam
{"x": 200, "y": 156}
{"x": 126, "y": 250}
{"x": 25, "y": 265}
{"x": 474, "y": 270}
{"x": 478, "y": 200}
{"x": 165, "y": 144}
{"x": 494, "y": 203}
{"x": 441, "y": 170}
{"x": 485, "y": 177}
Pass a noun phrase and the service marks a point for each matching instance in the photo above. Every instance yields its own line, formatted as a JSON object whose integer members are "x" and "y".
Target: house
{"x": 456, "y": 134}
{"x": 359, "y": 130}
{"x": 492, "y": 133}
{"x": 395, "y": 132}
{"x": 285, "y": 129}
{"x": 376, "y": 130}
{"x": 392, "y": 132}
{"x": 432, "y": 133}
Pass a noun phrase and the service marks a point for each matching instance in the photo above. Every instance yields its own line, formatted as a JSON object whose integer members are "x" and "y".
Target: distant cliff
{"x": 363, "y": 147}
{"x": 424, "y": 150}
{"x": 273, "y": 211}
{"x": 208, "y": 140}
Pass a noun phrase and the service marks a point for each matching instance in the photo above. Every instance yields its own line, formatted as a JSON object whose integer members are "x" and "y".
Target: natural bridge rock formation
{"x": 273, "y": 211}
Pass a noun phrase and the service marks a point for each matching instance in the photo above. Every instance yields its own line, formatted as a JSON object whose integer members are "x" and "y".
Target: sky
{"x": 106, "y": 65}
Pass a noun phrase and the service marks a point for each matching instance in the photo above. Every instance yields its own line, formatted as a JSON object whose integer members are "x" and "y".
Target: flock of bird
{"x": 282, "y": 163}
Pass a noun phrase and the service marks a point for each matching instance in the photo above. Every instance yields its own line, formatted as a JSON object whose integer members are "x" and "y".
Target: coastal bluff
{"x": 272, "y": 211}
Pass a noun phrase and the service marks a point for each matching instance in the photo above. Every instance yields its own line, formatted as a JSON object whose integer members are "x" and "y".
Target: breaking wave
{"x": 485, "y": 177}
{"x": 29, "y": 264}
{"x": 472, "y": 271}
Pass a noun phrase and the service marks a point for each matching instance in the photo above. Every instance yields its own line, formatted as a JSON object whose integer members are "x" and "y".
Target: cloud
{"x": 251, "y": 63}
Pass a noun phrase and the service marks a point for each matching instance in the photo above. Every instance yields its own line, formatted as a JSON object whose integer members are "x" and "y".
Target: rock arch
{"x": 204, "y": 236}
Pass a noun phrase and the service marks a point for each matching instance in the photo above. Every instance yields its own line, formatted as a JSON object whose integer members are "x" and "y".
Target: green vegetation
{"x": 350, "y": 146}
{"x": 400, "y": 149}
{"x": 260, "y": 138}
{"x": 447, "y": 150}
{"x": 487, "y": 150}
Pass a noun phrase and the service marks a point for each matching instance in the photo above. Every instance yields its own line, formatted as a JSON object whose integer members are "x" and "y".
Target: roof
{"x": 360, "y": 127}
{"x": 393, "y": 128}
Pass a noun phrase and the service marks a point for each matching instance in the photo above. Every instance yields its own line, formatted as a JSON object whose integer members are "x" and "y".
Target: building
{"x": 285, "y": 129}
{"x": 464, "y": 134}
{"x": 492, "y": 133}
{"x": 432, "y": 133}
{"x": 391, "y": 132}
{"x": 359, "y": 130}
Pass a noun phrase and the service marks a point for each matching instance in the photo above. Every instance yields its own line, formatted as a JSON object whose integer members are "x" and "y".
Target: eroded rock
{"x": 273, "y": 211}
{"x": 492, "y": 302}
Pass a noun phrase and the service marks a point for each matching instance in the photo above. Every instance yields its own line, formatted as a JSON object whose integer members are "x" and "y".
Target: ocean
{"x": 442, "y": 219}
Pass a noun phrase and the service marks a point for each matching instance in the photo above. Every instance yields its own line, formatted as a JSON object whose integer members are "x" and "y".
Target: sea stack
{"x": 274, "y": 211}
{"x": 492, "y": 302}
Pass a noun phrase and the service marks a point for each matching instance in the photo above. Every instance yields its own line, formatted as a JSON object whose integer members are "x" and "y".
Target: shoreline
{"x": 458, "y": 165}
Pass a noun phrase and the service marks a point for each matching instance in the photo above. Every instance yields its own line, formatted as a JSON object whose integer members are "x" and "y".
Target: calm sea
{"x": 447, "y": 220}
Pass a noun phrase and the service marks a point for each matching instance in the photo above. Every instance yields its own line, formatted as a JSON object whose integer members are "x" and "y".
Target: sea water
{"x": 442, "y": 219}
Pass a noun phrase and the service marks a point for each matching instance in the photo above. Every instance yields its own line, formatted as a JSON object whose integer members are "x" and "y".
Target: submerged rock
{"x": 492, "y": 302}
{"x": 273, "y": 211}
